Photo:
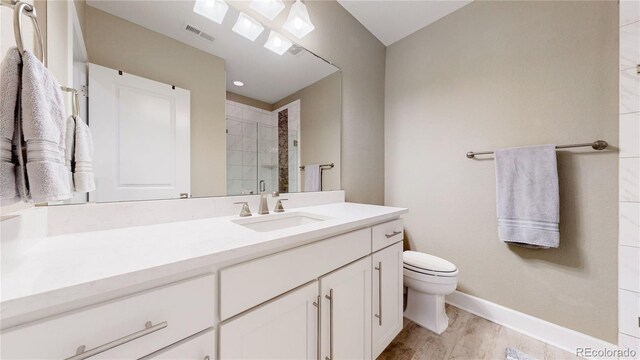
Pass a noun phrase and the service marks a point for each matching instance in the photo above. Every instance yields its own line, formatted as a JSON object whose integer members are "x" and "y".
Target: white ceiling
{"x": 392, "y": 20}
{"x": 267, "y": 76}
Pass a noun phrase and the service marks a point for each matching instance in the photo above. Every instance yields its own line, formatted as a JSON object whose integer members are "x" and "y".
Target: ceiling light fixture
{"x": 238, "y": 83}
{"x": 247, "y": 27}
{"x": 277, "y": 43}
{"x": 298, "y": 22}
{"x": 214, "y": 10}
{"x": 268, "y": 8}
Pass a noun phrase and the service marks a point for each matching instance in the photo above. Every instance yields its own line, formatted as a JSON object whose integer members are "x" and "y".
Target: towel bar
{"x": 322, "y": 168}
{"x": 596, "y": 145}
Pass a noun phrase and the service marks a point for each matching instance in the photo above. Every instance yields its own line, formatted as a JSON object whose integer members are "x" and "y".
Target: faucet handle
{"x": 275, "y": 194}
{"x": 246, "y": 211}
{"x": 279, "y": 207}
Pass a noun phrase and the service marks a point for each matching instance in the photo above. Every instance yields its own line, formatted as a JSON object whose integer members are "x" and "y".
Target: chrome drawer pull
{"x": 318, "y": 327}
{"x": 330, "y": 298}
{"x": 379, "y": 314}
{"x": 81, "y": 353}
{"x": 393, "y": 234}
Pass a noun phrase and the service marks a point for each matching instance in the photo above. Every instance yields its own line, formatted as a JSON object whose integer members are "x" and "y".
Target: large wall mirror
{"x": 180, "y": 105}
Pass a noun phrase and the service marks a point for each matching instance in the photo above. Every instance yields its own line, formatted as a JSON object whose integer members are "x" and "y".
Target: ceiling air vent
{"x": 198, "y": 32}
{"x": 295, "y": 49}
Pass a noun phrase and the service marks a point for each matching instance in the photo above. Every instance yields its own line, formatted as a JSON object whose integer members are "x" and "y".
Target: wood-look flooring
{"x": 467, "y": 337}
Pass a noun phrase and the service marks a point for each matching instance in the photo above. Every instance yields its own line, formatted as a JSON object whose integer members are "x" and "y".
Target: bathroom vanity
{"x": 328, "y": 286}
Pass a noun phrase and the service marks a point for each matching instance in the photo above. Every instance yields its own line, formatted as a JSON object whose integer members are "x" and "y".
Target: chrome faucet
{"x": 279, "y": 208}
{"x": 264, "y": 206}
{"x": 245, "y": 211}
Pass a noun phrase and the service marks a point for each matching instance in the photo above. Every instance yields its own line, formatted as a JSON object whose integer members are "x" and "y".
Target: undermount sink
{"x": 264, "y": 223}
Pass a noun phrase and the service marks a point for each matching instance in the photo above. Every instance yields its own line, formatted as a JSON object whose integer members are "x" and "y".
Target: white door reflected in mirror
{"x": 141, "y": 137}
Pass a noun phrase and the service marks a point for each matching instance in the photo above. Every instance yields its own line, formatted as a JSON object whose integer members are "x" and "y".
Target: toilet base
{"x": 427, "y": 311}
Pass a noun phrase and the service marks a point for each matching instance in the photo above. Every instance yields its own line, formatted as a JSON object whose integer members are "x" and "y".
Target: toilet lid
{"x": 427, "y": 262}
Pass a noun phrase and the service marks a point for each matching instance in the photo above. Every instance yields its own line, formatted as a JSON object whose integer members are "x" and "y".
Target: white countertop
{"x": 50, "y": 271}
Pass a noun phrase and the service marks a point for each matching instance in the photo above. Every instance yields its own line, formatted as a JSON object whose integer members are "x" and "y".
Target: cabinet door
{"x": 346, "y": 312}
{"x": 387, "y": 296}
{"x": 284, "y": 328}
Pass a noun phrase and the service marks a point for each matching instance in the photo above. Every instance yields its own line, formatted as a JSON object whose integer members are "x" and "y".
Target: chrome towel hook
{"x": 75, "y": 102}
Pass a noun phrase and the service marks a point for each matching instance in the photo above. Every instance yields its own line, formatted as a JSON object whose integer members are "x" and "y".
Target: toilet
{"x": 428, "y": 279}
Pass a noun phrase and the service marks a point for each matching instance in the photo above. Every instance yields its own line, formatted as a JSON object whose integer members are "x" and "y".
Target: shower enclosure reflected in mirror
{"x": 182, "y": 106}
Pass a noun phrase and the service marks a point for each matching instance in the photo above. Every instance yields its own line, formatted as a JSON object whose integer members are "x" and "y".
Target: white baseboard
{"x": 556, "y": 335}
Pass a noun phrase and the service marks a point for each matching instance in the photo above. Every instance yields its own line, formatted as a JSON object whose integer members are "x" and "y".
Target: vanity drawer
{"x": 197, "y": 347}
{"x": 185, "y": 308}
{"x": 386, "y": 234}
{"x": 248, "y": 284}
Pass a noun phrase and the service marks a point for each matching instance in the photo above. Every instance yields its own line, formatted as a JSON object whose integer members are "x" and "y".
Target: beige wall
{"x": 341, "y": 39}
{"x": 320, "y": 126}
{"x": 500, "y": 74}
{"x": 119, "y": 44}
{"x": 249, "y": 101}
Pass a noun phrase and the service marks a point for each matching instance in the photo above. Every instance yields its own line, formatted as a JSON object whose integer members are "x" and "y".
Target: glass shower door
{"x": 267, "y": 156}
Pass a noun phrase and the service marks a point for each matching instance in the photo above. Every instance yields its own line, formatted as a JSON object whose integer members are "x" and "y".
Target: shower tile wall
{"x": 251, "y": 149}
{"x": 629, "y": 178}
{"x": 294, "y": 142}
{"x": 283, "y": 150}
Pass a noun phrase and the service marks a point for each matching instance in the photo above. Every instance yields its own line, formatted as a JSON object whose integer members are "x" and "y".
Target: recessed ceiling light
{"x": 238, "y": 83}
{"x": 268, "y": 8}
{"x": 277, "y": 43}
{"x": 247, "y": 27}
{"x": 214, "y": 10}
{"x": 298, "y": 22}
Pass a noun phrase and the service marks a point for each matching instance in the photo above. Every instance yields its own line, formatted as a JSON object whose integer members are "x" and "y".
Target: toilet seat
{"x": 426, "y": 264}
{"x": 419, "y": 271}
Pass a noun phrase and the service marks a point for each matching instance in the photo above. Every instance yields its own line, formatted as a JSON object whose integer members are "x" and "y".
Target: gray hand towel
{"x": 528, "y": 199}
{"x": 43, "y": 129}
{"x": 9, "y": 89}
{"x": 83, "y": 177}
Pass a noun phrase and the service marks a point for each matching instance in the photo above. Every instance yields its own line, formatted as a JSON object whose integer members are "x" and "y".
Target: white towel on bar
{"x": 43, "y": 130}
{"x": 528, "y": 199}
{"x": 9, "y": 113}
{"x": 83, "y": 177}
{"x": 312, "y": 180}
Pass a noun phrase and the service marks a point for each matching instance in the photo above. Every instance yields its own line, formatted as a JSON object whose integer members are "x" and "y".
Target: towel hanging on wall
{"x": 43, "y": 131}
{"x": 312, "y": 174}
{"x": 9, "y": 113}
{"x": 528, "y": 199}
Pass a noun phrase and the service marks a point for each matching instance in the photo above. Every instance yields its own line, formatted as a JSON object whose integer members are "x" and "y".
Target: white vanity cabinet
{"x": 332, "y": 299}
{"x": 346, "y": 312}
{"x": 125, "y": 328}
{"x": 387, "y": 296}
{"x": 337, "y": 297}
{"x": 283, "y": 328}
{"x": 197, "y": 347}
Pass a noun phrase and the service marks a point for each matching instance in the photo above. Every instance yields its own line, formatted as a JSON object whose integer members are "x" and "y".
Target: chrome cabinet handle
{"x": 393, "y": 234}
{"x": 379, "y": 314}
{"x": 318, "y": 328}
{"x": 330, "y": 298}
{"x": 81, "y": 353}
